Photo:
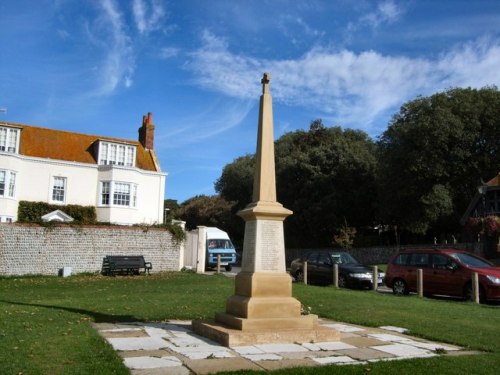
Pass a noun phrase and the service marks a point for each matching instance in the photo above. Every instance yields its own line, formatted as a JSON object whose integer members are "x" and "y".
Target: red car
{"x": 445, "y": 272}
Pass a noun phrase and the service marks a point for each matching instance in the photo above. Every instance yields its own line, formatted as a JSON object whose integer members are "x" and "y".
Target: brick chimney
{"x": 147, "y": 131}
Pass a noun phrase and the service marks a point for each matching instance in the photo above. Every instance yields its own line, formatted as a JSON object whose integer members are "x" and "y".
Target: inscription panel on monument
{"x": 249, "y": 247}
{"x": 272, "y": 246}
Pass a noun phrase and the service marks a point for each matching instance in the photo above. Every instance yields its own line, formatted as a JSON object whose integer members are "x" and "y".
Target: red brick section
{"x": 147, "y": 132}
{"x": 68, "y": 146}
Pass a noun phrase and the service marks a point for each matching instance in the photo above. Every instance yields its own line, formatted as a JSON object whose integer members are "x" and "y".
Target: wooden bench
{"x": 125, "y": 265}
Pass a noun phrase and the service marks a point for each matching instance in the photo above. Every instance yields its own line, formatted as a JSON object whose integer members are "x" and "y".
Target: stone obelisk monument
{"x": 263, "y": 309}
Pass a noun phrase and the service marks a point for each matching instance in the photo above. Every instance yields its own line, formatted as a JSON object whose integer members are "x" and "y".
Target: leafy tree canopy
{"x": 211, "y": 211}
{"x": 323, "y": 175}
{"x": 433, "y": 155}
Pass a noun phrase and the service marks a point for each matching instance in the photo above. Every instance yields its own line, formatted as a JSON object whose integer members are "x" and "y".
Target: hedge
{"x": 32, "y": 212}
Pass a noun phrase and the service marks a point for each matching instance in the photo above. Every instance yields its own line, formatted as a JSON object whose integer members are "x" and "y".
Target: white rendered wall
{"x": 34, "y": 179}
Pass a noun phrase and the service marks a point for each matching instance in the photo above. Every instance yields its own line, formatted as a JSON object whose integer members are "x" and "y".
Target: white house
{"x": 121, "y": 178}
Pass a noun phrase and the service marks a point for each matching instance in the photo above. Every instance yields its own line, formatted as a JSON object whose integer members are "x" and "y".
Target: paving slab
{"x": 365, "y": 354}
{"x": 334, "y": 345}
{"x": 137, "y": 343}
{"x": 249, "y": 349}
{"x": 141, "y": 353}
{"x": 181, "y": 370}
{"x": 403, "y": 350}
{"x": 115, "y": 333}
{"x": 344, "y": 327}
{"x": 206, "y": 354}
{"x": 435, "y": 346}
{"x": 146, "y": 362}
{"x": 336, "y": 360}
{"x": 363, "y": 341}
{"x": 391, "y": 338}
{"x": 287, "y": 363}
{"x": 394, "y": 329}
{"x": 172, "y": 348}
{"x": 281, "y": 348}
{"x": 263, "y": 357}
{"x": 156, "y": 332}
{"x": 209, "y": 366}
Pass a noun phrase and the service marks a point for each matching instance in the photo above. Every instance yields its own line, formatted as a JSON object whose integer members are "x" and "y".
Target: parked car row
{"x": 320, "y": 269}
{"x": 445, "y": 271}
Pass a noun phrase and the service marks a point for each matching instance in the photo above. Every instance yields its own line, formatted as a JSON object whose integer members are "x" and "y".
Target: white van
{"x": 218, "y": 242}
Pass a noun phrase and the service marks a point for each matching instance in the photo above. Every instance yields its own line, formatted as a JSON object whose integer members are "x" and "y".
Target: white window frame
{"x": 116, "y": 154}
{"x": 118, "y": 194}
{"x": 9, "y": 139}
{"x": 105, "y": 195}
{"x": 8, "y": 189}
{"x": 57, "y": 190}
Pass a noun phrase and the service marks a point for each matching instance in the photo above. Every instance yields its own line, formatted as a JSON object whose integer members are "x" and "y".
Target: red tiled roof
{"x": 63, "y": 145}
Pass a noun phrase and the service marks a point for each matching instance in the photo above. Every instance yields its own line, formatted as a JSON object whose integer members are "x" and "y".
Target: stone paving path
{"x": 172, "y": 348}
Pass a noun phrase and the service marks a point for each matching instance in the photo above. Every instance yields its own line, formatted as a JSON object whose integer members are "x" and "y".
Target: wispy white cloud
{"x": 291, "y": 25}
{"x": 217, "y": 69}
{"x": 387, "y": 12}
{"x": 147, "y": 15}
{"x": 109, "y": 34}
{"x": 354, "y": 89}
{"x": 218, "y": 117}
{"x": 63, "y": 34}
{"x": 168, "y": 52}
{"x": 472, "y": 64}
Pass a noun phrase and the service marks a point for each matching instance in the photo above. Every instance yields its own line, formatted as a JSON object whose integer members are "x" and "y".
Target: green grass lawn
{"x": 45, "y": 322}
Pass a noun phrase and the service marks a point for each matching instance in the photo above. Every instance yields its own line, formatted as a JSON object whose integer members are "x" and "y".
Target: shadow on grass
{"x": 97, "y": 316}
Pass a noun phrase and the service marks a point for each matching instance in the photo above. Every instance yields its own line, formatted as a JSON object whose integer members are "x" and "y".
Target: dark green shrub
{"x": 32, "y": 212}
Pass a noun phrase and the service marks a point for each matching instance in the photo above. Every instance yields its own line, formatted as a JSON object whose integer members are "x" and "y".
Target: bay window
{"x": 122, "y": 194}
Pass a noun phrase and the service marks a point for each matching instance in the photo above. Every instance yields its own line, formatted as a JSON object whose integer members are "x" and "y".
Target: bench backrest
{"x": 126, "y": 261}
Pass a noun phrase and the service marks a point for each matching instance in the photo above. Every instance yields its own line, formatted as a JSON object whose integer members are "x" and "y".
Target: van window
{"x": 402, "y": 259}
{"x": 440, "y": 261}
{"x": 419, "y": 260}
{"x": 472, "y": 261}
{"x": 220, "y": 244}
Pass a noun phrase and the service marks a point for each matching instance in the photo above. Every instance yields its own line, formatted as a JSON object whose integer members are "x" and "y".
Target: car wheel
{"x": 399, "y": 288}
{"x": 342, "y": 281}
{"x": 299, "y": 276}
{"x": 229, "y": 268}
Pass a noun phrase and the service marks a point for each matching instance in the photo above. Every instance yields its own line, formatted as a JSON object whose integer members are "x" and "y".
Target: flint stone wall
{"x": 32, "y": 249}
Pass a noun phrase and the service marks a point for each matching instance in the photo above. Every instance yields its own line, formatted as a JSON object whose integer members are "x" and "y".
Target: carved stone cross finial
{"x": 265, "y": 83}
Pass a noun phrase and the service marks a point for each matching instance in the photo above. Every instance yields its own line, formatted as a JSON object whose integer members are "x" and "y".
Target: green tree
{"x": 323, "y": 174}
{"x": 211, "y": 211}
{"x": 236, "y": 181}
{"x": 433, "y": 155}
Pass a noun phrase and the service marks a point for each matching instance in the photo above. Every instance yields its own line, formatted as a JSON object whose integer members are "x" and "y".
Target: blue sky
{"x": 97, "y": 66}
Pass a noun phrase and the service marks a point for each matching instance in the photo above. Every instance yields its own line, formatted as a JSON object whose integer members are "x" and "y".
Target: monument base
{"x": 233, "y": 337}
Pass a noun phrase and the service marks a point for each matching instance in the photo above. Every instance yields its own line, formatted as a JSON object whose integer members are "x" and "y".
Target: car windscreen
{"x": 220, "y": 244}
{"x": 471, "y": 260}
{"x": 343, "y": 258}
